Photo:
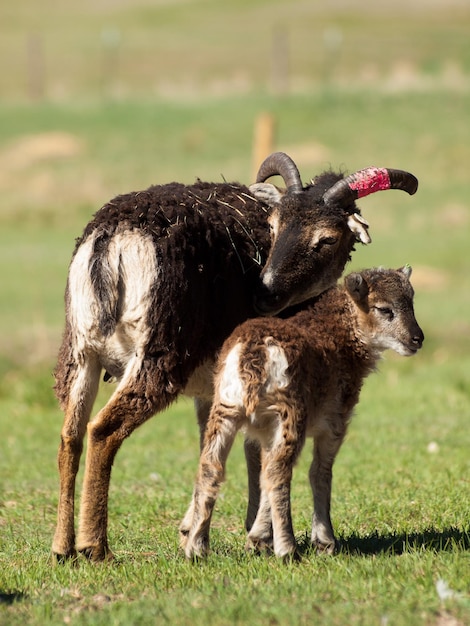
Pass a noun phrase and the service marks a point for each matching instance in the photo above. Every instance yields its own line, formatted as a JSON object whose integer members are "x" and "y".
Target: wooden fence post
{"x": 263, "y": 141}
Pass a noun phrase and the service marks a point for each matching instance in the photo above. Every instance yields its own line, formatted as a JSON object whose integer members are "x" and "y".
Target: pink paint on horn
{"x": 370, "y": 180}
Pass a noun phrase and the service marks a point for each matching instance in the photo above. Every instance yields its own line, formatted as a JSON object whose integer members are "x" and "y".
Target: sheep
{"x": 282, "y": 380}
{"x": 158, "y": 279}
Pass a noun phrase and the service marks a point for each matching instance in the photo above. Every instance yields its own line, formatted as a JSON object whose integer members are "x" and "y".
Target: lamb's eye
{"x": 386, "y": 311}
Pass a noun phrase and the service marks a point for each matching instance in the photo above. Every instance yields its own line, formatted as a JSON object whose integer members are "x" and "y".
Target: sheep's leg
{"x": 133, "y": 402}
{"x": 253, "y": 465}
{"x": 203, "y": 408}
{"x": 83, "y": 382}
{"x": 326, "y": 446}
{"x": 220, "y": 434}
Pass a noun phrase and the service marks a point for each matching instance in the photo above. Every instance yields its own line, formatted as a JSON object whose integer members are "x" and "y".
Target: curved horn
{"x": 281, "y": 164}
{"x": 367, "y": 181}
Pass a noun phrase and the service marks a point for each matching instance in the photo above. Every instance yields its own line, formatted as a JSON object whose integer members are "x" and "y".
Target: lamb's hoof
{"x": 326, "y": 547}
{"x": 61, "y": 558}
{"x": 258, "y": 545}
{"x": 97, "y": 554}
{"x": 196, "y": 554}
{"x": 291, "y": 557}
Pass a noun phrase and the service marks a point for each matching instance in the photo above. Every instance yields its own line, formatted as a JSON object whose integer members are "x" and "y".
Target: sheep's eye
{"x": 386, "y": 311}
{"x": 325, "y": 241}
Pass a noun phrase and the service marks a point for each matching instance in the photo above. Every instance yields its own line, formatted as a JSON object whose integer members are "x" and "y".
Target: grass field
{"x": 398, "y": 95}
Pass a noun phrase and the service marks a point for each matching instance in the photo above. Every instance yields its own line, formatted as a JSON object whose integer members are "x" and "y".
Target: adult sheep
{"x": 158, "y": 279}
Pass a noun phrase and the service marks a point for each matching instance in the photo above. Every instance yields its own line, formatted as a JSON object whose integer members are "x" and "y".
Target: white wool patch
{"x": 130, "y": 268}
{"x": 276, "y": 367}
{"x": 268, "y": 278}
{"x": 230, "y": 383}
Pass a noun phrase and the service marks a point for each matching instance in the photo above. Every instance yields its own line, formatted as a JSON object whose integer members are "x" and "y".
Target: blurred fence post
{"x": 35, "y": 67}
{"x": 263, "y": 141}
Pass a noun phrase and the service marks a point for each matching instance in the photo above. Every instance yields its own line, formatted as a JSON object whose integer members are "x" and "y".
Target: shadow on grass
{"x": 10, "y": 598}
{"x": 430, "y": 540}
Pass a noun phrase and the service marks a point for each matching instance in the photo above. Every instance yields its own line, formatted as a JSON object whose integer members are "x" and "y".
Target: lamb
{"x": 282, "y": 380}
{"x": 158, "y": 280}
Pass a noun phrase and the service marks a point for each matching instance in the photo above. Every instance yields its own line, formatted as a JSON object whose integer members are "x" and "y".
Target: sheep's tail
{"x": 105, "y": 277}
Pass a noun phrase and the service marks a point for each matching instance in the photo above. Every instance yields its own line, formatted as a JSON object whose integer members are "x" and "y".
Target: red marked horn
{"x": 367, "y": 181}
{"x": 280, "y": 164}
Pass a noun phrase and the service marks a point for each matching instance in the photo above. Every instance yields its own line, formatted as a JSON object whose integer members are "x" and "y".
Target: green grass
{"x": 192, "y": 79}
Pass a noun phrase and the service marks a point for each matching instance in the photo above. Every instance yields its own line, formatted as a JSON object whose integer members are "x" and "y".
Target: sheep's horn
{"x": 367, "y": 181}
{"x": 281, "y": 164}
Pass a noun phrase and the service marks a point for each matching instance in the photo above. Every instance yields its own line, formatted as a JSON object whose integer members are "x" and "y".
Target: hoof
{"x": 257, "y": 545}
{"x": 97, "y": 554}
{"x": 327, "y": 547}
{"x": 291, "y": 557}
{"x": 61, "y": 558}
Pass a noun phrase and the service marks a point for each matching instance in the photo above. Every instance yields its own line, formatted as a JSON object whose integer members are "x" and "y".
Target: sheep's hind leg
{"x": 81, "y": 384}
{"x": 133, "y": 402}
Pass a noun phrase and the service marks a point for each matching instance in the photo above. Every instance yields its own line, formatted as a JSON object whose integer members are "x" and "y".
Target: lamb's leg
{"x": 220, "y": 434}
{"x": 203, "y": 408}
{"x": 260, "y": 536}
{"x": 78, "y": 386}
{"x": 326, "y": 446}
{"x": 134, "y": 401}
{"x": 253, "y": 465}
{"x": 276, "y": 475}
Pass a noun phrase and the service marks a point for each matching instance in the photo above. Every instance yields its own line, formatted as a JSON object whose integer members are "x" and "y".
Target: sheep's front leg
{"x": 81, "y": 395}
{"x": 326, "y": 446}
{"x": 219, "y": 437}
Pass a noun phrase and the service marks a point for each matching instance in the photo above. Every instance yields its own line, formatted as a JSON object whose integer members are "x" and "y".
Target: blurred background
{"x": 106, "y": 96}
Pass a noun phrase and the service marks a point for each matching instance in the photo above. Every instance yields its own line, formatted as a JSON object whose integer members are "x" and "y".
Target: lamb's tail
{"x": 253, "y": 375}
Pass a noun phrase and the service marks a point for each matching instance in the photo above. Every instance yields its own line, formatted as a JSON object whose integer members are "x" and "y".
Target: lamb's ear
{"x": 356, "y": 286}
{"x": 266, "y": 192}
{"x": 406, "y": 270}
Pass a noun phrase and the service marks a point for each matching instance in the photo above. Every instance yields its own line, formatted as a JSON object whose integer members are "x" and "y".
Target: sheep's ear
{"x": 358, "y": 225}
{"x": 406, "y": 270}
{"x": 356, "y": 286}
{"x": 268, "y": 193}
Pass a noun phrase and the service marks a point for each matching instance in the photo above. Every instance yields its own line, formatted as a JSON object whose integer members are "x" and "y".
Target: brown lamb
{"x": 282, "y": 380}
